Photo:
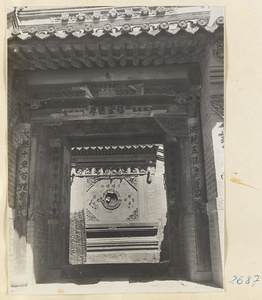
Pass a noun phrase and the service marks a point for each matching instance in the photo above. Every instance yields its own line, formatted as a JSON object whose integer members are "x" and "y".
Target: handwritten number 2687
{"x": 241, "y": 279}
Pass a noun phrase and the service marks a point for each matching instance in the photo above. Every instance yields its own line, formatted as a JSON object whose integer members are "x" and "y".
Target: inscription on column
{"x": 172, "y": 174}
{"x": 23, "y": 171}
{"x": 55, "y": 181}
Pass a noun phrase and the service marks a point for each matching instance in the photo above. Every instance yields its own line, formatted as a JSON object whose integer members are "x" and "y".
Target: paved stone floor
{"x": 108, "y": 286}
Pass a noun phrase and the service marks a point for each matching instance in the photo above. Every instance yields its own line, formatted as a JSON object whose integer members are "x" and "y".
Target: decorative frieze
{"x": 105, "y": 89}
{"x": 116, "y": 150}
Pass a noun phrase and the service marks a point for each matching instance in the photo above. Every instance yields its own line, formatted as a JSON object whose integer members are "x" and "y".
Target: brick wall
{"x": 77, "y": 245}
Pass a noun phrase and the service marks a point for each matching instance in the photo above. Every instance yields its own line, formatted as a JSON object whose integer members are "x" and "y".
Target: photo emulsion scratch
{"x": 116, "y": 149}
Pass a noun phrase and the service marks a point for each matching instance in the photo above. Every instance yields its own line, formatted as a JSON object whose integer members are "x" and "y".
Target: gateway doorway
{"x": 118, "y": 206}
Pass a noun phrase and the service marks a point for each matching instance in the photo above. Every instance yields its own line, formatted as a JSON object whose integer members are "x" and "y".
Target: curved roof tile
{"x": 151, "y": 29}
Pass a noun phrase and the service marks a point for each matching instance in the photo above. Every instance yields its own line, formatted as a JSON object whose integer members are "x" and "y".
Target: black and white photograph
{"x": 115, "y": 149}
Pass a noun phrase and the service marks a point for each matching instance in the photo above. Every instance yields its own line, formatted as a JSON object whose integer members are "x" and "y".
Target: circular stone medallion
{"x": 111, "y": 199}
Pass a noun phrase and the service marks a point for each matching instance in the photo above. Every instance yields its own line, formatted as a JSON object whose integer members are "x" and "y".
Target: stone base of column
{"x": 215, "y": 211}
{"x": 198, "y": 276}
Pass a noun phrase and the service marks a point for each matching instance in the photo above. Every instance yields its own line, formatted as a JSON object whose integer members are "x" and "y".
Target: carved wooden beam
{"x": 172, "y": 125}
{"x": 117, "y": 74}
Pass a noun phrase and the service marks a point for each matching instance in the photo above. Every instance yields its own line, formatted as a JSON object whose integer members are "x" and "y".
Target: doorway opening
{"x": 118, "y": 206}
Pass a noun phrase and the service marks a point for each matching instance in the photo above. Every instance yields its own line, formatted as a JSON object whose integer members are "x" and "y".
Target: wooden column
{"x": 54, "y": 165}
{"x": 37, "y": 226}
{"x": 65, "y": 202}
{"x": 194, "y": 225}
{"x": 19, "y": 277}
{"x": 199, "y": 201}
{"x": 172, "y": 170}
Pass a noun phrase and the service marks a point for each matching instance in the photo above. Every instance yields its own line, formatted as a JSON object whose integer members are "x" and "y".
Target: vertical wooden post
{"x": 172, "y": 175}
{"x": 199, "y": 201}
{"x": 21, "y": 207}
{"x": 65, "y": 203}
{"x": 54, "y": 166}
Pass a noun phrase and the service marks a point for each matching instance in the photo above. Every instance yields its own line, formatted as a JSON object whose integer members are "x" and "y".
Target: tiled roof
{"x": 62, "y": 32}
{"x": 100, "y": 37}
{"x": 60, "y": 22}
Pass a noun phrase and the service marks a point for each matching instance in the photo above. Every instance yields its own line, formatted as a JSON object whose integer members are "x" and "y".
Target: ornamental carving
{"x": 132, "y": 181}
{"x": 90, "y": 217}
{"x": 133, "y": 216}
{"x": 111, "y": 199}
{"x": 22, "y": 183}
{"x": 218, "y": 50}
{"x": 115, "y": 150}
{"x": 54, "y": 178}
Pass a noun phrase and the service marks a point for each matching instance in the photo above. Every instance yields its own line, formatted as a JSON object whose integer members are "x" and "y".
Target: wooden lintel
{"x": 128, "y": 74}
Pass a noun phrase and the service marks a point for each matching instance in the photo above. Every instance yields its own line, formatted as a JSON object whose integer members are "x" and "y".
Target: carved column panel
{"x": 23, "y": 172}
{"x": 173, "y": 183}
{"x": 198, "y": 182}
{"x": 54, "y": 197}
{"x": 65, "y": 201}
{"x": 21, "y": 206}
{"x": 199, "y": 201}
